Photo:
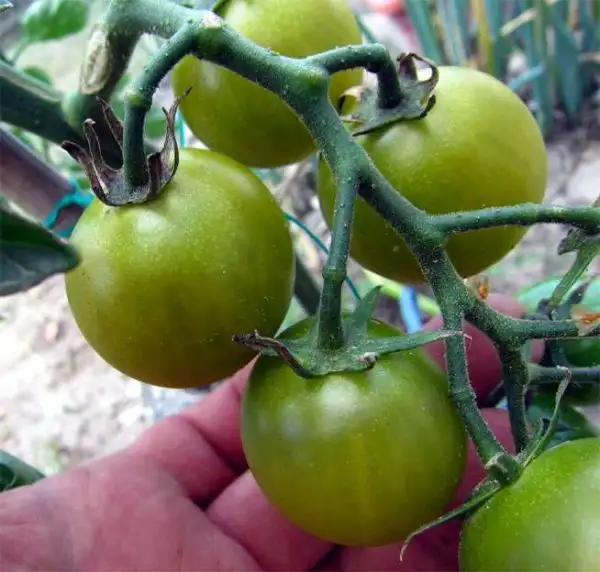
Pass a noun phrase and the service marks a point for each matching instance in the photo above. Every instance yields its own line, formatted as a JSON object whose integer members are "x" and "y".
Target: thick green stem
{"x": 522, "y": 215}
{"x": 330, "y": 334}
{"x": 139, "y": 102}
{"x": 540, "y": 375}
{"x": 515, "y": 375}
{"x": 504, "y": 330}
{"x": 375, "y": 59}
{"x": 461, "y": 390}
{"x": 524, "y": 330}
{"x": 111, "y": 45}
{"x": 302, "y": 84}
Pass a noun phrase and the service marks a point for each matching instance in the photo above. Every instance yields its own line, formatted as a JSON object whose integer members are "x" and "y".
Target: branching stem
{"x": 521, "y": 215}
{"x": 303, "y": 85}
{"x": 515, "y": 375}
{"x": 540, "y": 375}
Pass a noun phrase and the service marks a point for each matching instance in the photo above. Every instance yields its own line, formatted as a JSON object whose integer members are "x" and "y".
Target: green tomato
{"x": 163, "y": 286}
{"x": 356, "y": 458}
{"x": 548, "y": 520}
{"x": 478, "y": 147}
{"x": 237, "y": 117}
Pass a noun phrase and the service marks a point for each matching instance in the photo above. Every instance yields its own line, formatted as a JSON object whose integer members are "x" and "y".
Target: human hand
{"x": 181, "y": 498}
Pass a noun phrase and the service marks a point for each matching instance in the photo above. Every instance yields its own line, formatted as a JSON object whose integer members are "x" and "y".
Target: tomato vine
{"x": 336, "y": 342}
{"x": 302, "y": 84}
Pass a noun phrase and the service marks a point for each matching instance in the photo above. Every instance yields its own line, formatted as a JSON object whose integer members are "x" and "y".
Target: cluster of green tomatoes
{"x": 360, "y": 458}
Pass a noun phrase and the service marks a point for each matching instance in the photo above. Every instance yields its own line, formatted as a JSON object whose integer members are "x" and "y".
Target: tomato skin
{"x": 360, "y": 458}
{"x": 548, "y": 520}
{"x": 163, "y": 286}
{"x": 231, "y": 114}
{"x": 478, "y": 147}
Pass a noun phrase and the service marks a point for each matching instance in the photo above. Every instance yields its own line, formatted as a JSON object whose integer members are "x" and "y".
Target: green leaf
{"x": 38, "y": 73}
{"x": 482, "y": 493}
{"x": 571, "y": 423}
{"x": 54, "y": 19}
{"x": 156, "y": 124}
{"x": 24, "y": 136}
{"x": 29, "y": 253}
{"x": 216, "y": 6}
{"x": 584, "y": 258}
{"x": 16, "y": 473}
{"x": 198, "y": 4}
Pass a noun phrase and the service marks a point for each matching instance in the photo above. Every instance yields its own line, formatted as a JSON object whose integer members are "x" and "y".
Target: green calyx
{"x": 359, "y": 352}
{"x": 503, "y": 469}
{"x": 364, "y": 108}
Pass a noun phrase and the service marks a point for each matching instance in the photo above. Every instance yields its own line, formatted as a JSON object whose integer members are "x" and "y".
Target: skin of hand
{"x": 181, "y": 498}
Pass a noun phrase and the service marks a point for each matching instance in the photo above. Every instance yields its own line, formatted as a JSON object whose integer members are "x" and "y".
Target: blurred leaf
{"x": 495, "y": 13}
{"x": 566, "y": 56}
{"x": 421, "y": 17}
{"x": 453, "y": 16}
{"x": 53, "y": 19}
{"x": 83, "y": 181}
{"x": 585, "y": 257}
{"x": 571, "y": 423}
{"x": 37, "y": 73}
{"x": 590, "y": 35}
{"x": 589, "y": 43}
{"x": 530, "y": 27}
{"x": 198, "y": 4}
{"x": 121, "y": 86}
{"x": 118, "y": 107}
{"x": 529, "y": 75}
{"x": 29, "y": 253}
{"x": 16, "y": 473}
{"x": 25, "y": 137}
{"x": 156, "y": 124}
{"x": 5, "y": 5}
{"x": 542, "y": 290}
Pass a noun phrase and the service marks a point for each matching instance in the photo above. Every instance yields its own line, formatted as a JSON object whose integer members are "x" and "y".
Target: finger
{"x": 485, "y": 368}
{"x": 436, "y": 549}
{"x": 243, "y": 513}
{"x": 201, "y": 447}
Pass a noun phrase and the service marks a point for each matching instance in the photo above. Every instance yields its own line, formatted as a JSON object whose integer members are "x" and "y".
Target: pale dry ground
{"x": 61, "y": 405}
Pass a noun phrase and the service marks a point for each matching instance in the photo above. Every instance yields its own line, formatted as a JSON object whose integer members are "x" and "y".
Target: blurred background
{"x": 61, "y": 405}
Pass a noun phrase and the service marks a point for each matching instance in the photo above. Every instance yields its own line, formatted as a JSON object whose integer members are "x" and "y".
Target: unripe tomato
{"x": 357, "y": 458}
{"x": 478, "y": 147}
{"x": 548, "y": 520}
{"x": 163, "y": 286}
{"x": 233, "y": 115}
